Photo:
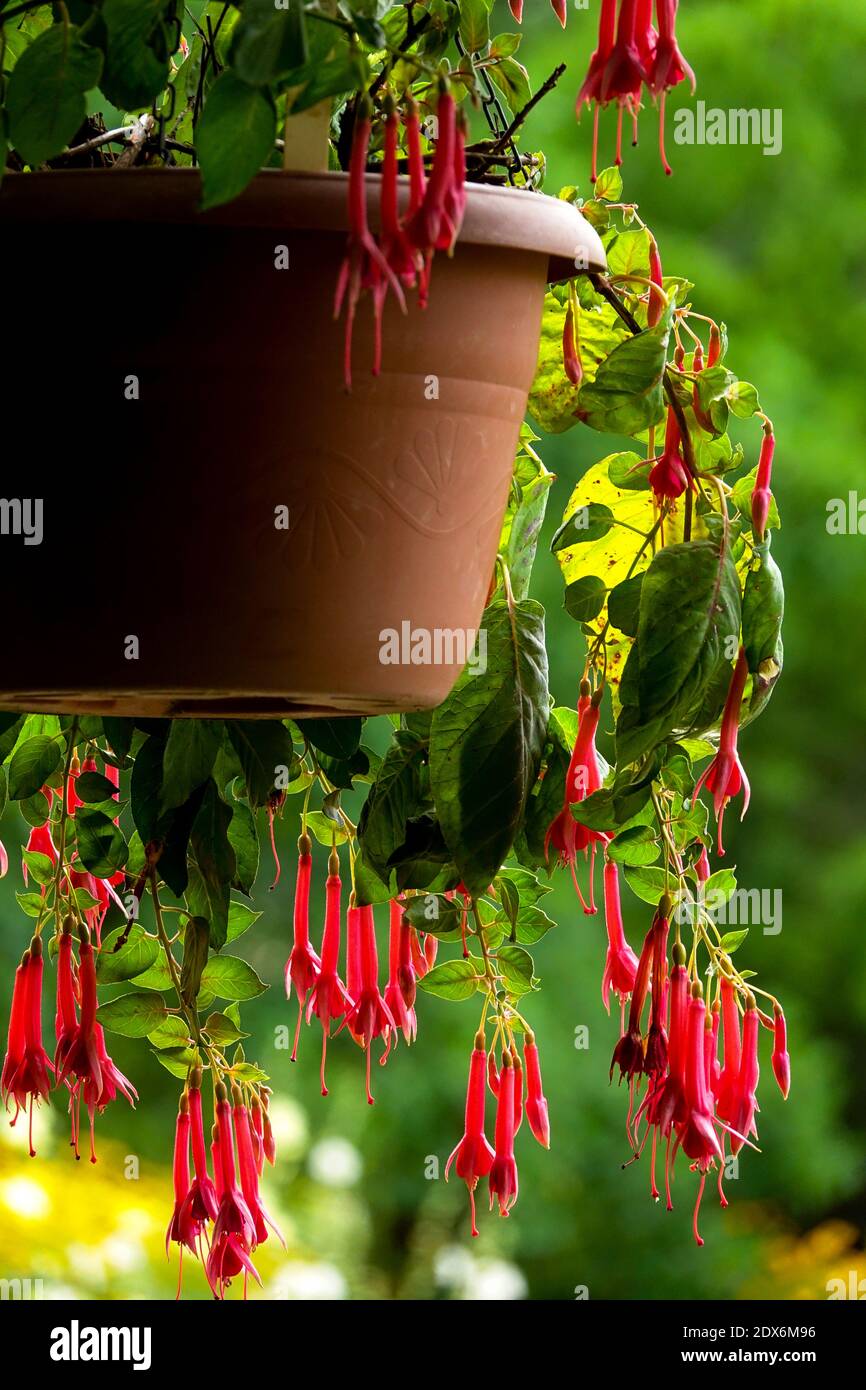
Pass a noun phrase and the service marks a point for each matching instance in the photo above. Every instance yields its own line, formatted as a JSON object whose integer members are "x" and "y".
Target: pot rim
{"x": 510, "y": 218}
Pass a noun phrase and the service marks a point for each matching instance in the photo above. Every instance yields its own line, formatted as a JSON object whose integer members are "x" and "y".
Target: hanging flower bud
{"x": 234, "y": 1233}
{"x": 303, "y": 965}
{"x": 781, "y": 1061}
{"x": 401, "y": 988}
{"x": 329, "y": 998}
{"x": 370, "y": 1017}
{"x": 503, "y": 1174}
{"x": 761, "y": 495}
{"x": 583, "y": 777}
{"x": 668, "y": 477}
{"x": 725, "y": 776}
{"x": 201, "y": 1203}
{"x": 628, "y": 1054}
{"x": 702, "y": 866}
{"x": 714, "y": 348}
{"x": 560, "y": 10}
{"x": 656, "y": 1056}
{"x": 16, "y": 1041}
{"x": 536, "y": 1104}
{"x": 590, "y": 93}
{"x": 516, "y": 7}
{"x": 657, "y": 302}
{"x": 621, "y": 963}
{"x": 473, "y": 1156}
{"x": 180, "y": 1174}
{"x": 745, "y": 1099}
{"x": 669, "y": 67}
{"x": 570, "y": 346}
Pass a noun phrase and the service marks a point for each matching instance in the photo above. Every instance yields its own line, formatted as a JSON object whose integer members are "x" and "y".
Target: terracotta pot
{"x": 161, "y": 511}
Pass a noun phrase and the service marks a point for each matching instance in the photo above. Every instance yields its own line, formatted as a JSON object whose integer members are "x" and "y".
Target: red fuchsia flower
{"x": 668, "y": 477}
{"x": 656, "y": 1055}
{"x": 665, "y": 1105}
{"x": 657, "y": 301}
{"x": 248, "y": 1170}
{"x": 646, "y": 37}
{"x": 714, "y": 347}
{"x": 624, "y": 73}
{"x": 583, "y": 777}
{"x": 201, "y": 1202}
{"x": 39, "y": 841}
{"x": 431, "y": 227}
{"x": 353, "y": 961}
{"x": 725, "y": 776}
{"x": 781, "y": 1061}
{"x": 560, "y": 9}
{"x": 696, "y": 1134}
{"x": 455, "y": 202}
{"x": 503, "y": 1173}
{"x": 669, "y": 67}
{"x": 363, "y": 263}
{"x": 518, "y": 1089}
{"x": 728, "y": 1080}
{"x": 714, "y": 1070}
{"x": 702, "y": 866}
{"x": 65, "y": 1018}
{"x": 417, "y": 176}
{"x": 570, "y": 347}
{"x": 590, "y": 92}
{"x": 424, "y": 952}
{"x": 303, "y": 965}
{"x": 329, "y": 999}
{"x": 370, "y": 1017}
{"x": 761, "y": 495}
{"x": 473, "y": 1156}
{"x": 31, "y": 1079}
{"x": 180, "y": 1177}
{"x": 537, "y": 1115}
{"x": 401, "y": 987}
{"x": 234, "y": 1233}
{"x": 516, "y": 7}
{"x": 268, "y": 1142}
{"x": 621, "y": 963}
{"x": 744, "y": 1098}
{"x": 16, "y": 1040}
{"x": 628, "y": 1054}
{"x": 395, "y": 244}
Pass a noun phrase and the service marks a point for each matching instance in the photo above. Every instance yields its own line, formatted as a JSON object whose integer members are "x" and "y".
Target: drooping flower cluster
{"x": 354, "y": 1001}
{"x": 518, "y": 1090}
{"x": 632, "y": 56}
{"x": 230, "y": 1201}
{"x": 81, "y": 1062}
{"x": 402, "y": 256}
{"x": 566, "y": 835}
{"x": 694, "y": 1100}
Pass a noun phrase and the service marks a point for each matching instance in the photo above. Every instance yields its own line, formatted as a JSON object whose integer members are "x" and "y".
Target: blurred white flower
{"x": 26, "y": 1198}
{"x": 308, "y": 1281}
{"x": 335, "y": 1163}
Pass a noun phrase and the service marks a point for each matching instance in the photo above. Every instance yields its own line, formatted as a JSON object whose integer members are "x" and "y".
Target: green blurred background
{"x": 774, "y": 246}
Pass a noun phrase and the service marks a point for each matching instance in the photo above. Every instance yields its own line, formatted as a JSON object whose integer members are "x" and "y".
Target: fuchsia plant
{"x": 144, "y": 848}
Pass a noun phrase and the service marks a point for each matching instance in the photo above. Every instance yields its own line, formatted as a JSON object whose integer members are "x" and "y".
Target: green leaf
{"x": 244, "y": 840}
{"x": 337, "y": 738}
{"x": 116, "y": 962}
{"x": 45, "y": 101}
{"x": 215, "y": 860}
{"x": 229, "y": 977}
{"x": 486, "y": 742}
{"x": 177, "y": 1060}
{"x": 136, "y": 63}
{"x": 241, "y": 918}
{"x": 512, "y": 79}
{"x": 719, "y": 886}
{"x": 132, "y": 1015}
{"x": 516, "y": 967}
{"x": 587, "y": 523}
{"x": 623, "y": 605}
{"x": 173, "y": 1031}
{"x": 689, "y": 614}
{"x": 763, "y": 608}
{"x": 39, "y": 866}
{"x": 636, "y": 845}
{"x": 234, "y": 138}
{"x": 626, "y": 396}
{"x": 453, "y": 979}
{"x": 222, "y": 1030}
{"x": 32, "y": 764}
{"x": 264, "y": 749}
{"x": 32, "y": 904}
{"x": 649, "y": 884}
{"x": 732, "y": 939}
{"x": 584, "y": 599}
{"x": 92, "y": 787}
{"x": 269, "y": 42}
{"x": 101, "y": 846}
{"x": 608, "y": 185}
{"x": 190, "y": 753}
{"x": 475, "y": 24}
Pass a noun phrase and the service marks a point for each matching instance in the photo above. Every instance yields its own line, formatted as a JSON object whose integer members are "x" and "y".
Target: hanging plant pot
{"x": 229, "y": 530}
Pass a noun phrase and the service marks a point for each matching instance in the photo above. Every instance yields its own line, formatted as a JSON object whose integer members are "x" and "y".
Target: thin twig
{"x": 521, "y": 116}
